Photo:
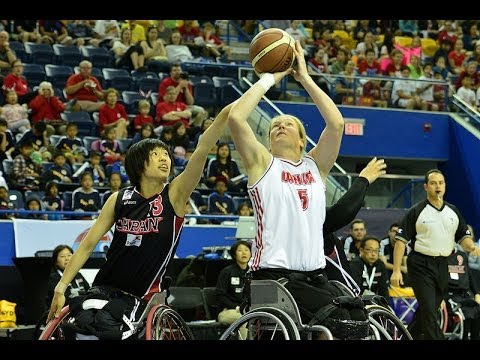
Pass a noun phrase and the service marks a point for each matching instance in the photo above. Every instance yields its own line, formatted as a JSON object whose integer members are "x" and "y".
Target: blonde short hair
{"x": 45, "y": 85}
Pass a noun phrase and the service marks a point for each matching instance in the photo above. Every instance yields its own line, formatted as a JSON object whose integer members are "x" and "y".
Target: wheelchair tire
{"x": 389, "y": 326}
{"x": 164, "y": 323}
{"x": 53, "y": 330}
{"x": 260, "y": 324}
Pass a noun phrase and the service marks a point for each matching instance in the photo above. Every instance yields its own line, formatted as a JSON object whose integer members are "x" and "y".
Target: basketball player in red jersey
{"x": 287, "y": 185}
{"x": 148, "y": 218}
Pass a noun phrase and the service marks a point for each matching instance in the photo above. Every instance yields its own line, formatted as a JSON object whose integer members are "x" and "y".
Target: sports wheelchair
{"x": 274, "y": 314}
{"x": 157, "y": 322}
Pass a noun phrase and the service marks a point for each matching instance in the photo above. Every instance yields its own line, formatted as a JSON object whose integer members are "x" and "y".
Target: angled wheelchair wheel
{"x": 387, "y": 325}
{"x": 164, "y": 323}
{"x": 260, "y": 325}
{"x": 54, "y": 329}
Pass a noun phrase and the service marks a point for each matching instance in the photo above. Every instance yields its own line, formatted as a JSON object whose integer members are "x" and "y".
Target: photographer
{"x": 184, "y": 92}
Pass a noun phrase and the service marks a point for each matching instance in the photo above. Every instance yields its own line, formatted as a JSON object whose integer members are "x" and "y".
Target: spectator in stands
{"x": 5, "y": 203}
{"x": 225, "y": 167}
{"x": 154, "y": 51}
{"x": 47, "y": 107}
{"x": 164, "y": 32}
{"x": 404, "y": 93}
{"x": 180, "y": 137}
{"x": 112, "y": 114}
{"x": 7, "y": 143}
{"x": 244, "y": 209}
{"x": 219, "y": 201}
{"x": 443, "y": 51}
{"x": 205, "y": 124}
{"x": 367, "y": 43}
{"x": 60, "y": 257}
{"x": 38, "y": 137}
{"x": 72, "y": 146}
{"x": 170, "y": 111}
{"x": 457, "y": 57}
{"x": 368, "y": 270}
{"x": 230, "y": 283}
{"x": 109, "y": 146}
{"x": 143, "y": 116}
{"x": 115, "y": 182}
{"x": 345, "y": 85}
{"x": 466, "y": 93}
{"x": 82, "y": 32}
{"x": 15, "y": 114}
{"x": 7, "y": 56}
{"x": 85, "y": 88}
{"x": 33, "y": 203}
{"x": 54, "y": 32}
{"x": 415, "y": 67}
{"x": 351, "y": 244}
{"x": 96, "y": 168}
{"x": 146, "y": 132}
{"x": 447, "y": 33}
{"x": 51, "y": 200}
{"x": 190, "y": 32}
{"x": 59, "y": 171}
{"x": 86, "y": 194}
{"x": 470, "y": 70}
{"x": 25, "y": 173}
{"x": 184, "y": 92}
{"x": 128, "y": 55}
{"x": 441, "y": 67}
{"x": 137, "y": 30}
{"x": 15, "y": 81}
{"x": 394, "y": 68}
{"x": 106, "y": 31}
{"x": 27, "y": 31}
{"x": 176, "y": 50}
{"x": 338, "y": 66}
{"x": 214, "y": 46}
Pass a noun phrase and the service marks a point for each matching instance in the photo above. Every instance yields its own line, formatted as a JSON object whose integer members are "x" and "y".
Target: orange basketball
{"x": 271, "y": 50}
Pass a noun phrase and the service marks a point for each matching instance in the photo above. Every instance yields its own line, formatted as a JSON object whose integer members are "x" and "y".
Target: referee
{"x": 431, "y": 227}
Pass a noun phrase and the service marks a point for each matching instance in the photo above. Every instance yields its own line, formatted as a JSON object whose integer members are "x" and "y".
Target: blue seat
{"x": 86, "y": 126}
{"x": 131, "y": 99}
{"x": 69, "y": 55}
{"x": 205, "y": 94}
{"x": 34, "y": 73}
{"x": 119, "y": 79}
{"x": 19, "y": 50}
{"x": 148, "y": 84}
{"x": 225, "y": 89}
{"x": 40, "y": 53}
{"x": 124, "y": 144}
{"x": 58, "y": 74}
{"x": 203, "y": 79}
{"x": 16, "y": 197}
{"x": 99, "y": 56}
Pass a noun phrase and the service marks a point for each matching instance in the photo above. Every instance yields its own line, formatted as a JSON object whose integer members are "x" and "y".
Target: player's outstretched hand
{"x": 374, "y": 169}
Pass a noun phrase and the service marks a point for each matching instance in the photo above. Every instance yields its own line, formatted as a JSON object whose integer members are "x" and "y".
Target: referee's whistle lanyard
{"x": 369, "y": 279}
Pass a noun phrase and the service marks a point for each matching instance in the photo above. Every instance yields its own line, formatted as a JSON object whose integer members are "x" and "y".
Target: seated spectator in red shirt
{"x": 48, "y": 107}
{"x": 143, "y": 116}
{"x": 85, "y": 88}
{"x": 113, "y": 114}
{"x": 184, "y": 92}
{"x": 170, "y": 111}
{"x": 15, "y": 81}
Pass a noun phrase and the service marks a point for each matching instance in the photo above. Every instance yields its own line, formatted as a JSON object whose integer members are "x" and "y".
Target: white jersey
{"x": 289, "y": 208}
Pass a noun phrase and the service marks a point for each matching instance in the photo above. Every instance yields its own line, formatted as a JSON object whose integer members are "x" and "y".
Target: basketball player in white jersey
{"x": 287, "y": 185}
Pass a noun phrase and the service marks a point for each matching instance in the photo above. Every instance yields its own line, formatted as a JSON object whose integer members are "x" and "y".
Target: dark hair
{"x": 138, "y": 157}
{"x": 55, "y": 253}
{"x": 357, "y": 221}
{"x": 233, "y": 248}
{"x": 367, "y": 238}
{"x": 49, "y": 186}
{"x": 431, "y": 171}
{"x": 3, "y": 122}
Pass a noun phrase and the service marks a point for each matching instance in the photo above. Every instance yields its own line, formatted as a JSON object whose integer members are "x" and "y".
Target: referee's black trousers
{"x": 428, "y": 276}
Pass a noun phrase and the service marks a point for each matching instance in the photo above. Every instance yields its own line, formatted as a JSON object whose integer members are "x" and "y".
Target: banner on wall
{"x": 34, "y": 235}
